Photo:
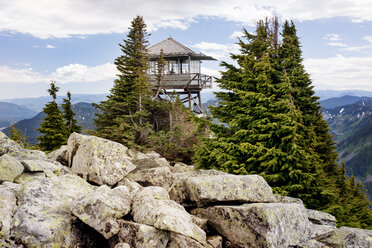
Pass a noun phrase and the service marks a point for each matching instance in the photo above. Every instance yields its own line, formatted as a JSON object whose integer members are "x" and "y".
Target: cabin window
{"x": 195, "y": 66}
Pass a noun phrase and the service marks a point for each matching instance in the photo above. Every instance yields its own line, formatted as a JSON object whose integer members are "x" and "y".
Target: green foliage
{"x": 123, "y": 116}
{"x": 53, "y": 126}
{"x": 18, "y": 136}
{"x": 68, "y": 115}
{"x": 272, "y": 126}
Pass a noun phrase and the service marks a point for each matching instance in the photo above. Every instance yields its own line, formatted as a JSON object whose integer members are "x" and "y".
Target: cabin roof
{"x": 172, "y": 48}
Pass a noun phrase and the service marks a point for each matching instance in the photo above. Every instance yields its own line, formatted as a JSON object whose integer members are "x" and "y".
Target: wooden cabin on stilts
{"x": 182, "y": 73}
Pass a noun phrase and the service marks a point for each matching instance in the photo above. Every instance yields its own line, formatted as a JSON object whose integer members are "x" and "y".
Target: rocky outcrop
{"x": 143, "y": 201}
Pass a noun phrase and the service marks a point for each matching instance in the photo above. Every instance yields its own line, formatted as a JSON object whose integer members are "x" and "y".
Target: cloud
{"x": 73, "y": 73}
{"x": 368, "y": 38}
{"x": 49, "y": 46}
{"x": 217, "y": 50}
{"x": 236, "y": 34}
{"x": 64, "y": 18}
{"x": 332, "y": 37}
{"x": 337, "y": 44}
{"x": 341, "y": 72}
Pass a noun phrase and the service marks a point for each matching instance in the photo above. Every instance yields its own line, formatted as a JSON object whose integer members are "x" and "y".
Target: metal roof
{"x": 172, "y": 48}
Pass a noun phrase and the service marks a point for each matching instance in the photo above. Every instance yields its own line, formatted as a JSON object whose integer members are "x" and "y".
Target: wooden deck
{"x": 192, "y": 81}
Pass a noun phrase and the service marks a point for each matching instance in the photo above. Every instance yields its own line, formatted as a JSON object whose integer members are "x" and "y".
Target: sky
{"x": 75, "y": 42}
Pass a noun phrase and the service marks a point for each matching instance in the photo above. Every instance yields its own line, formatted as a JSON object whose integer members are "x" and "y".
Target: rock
{"x": 101, "y": 208}
{"x": 43, "y": 218}
{"x": 222, "y": 188}
{"x": 122, "y": 245}
{"x": 180, "y": 241}
{"x": 287, "y": 199}
{"x": 142, "y": 236}
{"x": 8, "y": 146}
{"x": 132, "y": 186}
{"x": 10, "y": 168}
{"x": 160, "y": 176}
{"x": 60, "y": 155}
{"x": 200, "y": 222}
{"x": 321, "y": 218}
{"x": 98, "y": 160}
{"x": 151, "y": 208}
{"x": 181, "y": 167}
{"x": 8, "y": 206}
{"x": 49, "y": 168}
{"x": 259, "y": 224}
{"x": 215, "y": 241}
{"x": 29, "y": 176}
{"x": 318, "y": 232}
{"x": 313, "y": 244}
{"x": 148, "y": 160}
{"x": 349, "y": 237}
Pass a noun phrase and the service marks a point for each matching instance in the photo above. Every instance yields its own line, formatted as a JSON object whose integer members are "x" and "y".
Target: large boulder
{"x": 151, "y": 206}
{"x": 321, "y": 218}
{"x": 159, "y": 176}
{"x": 180, "y": 241}
{"x": 98, "y": 160}
{"x": 8, "y": 206}
{"x": 43, "y": 218}
{"x": 102, "y": 208}
{"x": 349, "y": 237}
{"x": 8, "y": 146}
{"x": 48, "y": 167}
{"x": 260, "y": 224}
{"x": 60, "y": 155}
{"x": 222, "y": 188}
{"x": 142, "y": 236}
{"x": 10, "y": 168}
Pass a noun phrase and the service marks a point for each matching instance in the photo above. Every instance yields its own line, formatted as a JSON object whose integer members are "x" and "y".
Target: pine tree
{"x": 68, "y": 115}
{"x": 262, "y": 131}
{"x": 53, "y": 126}
{"x": 18, "y": 136}
{"x": 123, "y": 115}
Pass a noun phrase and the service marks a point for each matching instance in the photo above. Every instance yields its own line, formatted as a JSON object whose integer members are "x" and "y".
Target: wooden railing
{"x": 191, "y": 81}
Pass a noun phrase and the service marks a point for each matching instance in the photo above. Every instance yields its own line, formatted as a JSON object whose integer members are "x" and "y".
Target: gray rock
{"x": 132, "y": 186}
{"x": 102, "y": 208}
{"x": 29, "y": 176}
{"x": 222, "y": 188}
{"x": 160, "y": 176}
{"x": 8, "y": 146}
{"x": 321, "y": 218}
{"x": 10, "y": 168}
{"x": 98, "y": 160}
{"x": 142, "y": 236}
{"x": 287, "y": 199}
{"x": 321, "y": 231}
{"x": 43, "y": 218}
{"x": 152, "y": 209}
{"x": 180, "y": 241}
{"x": 215, "y": 241}
{"x": 8, "y": 206}
{"x": 50, "y": 168}
{"x": 122, "y": 245}
{"x": 200, "y": 222}
{"x": 60, "y": 155}
{"x": 181, "y": 167}
{"x": 260, "y": 224}
{"x": 150, "y": 160}
{"x": 313, "y": 244}
{"x": 346, "y": 237}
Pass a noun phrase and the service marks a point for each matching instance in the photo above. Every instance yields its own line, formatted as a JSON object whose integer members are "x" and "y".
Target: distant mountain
{"x": 326, "y": 94}
{"x": 37, "y": 104}
{"x": 343, "y": 100}
{"x": 351, "y": 126}
{"x": 85, "y": 113}
{"x": 14, "y": 113}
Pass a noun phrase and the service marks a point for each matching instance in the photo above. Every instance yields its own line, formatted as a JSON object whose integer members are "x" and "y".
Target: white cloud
{"x": 236, "y": 34}
{"x": 217, "y": 50}
{"x": 332, "y": 37}
{"x": 368, "y": 38}
{"x": 73, "y": 73}
{"x": 337, "y": 44}
{"x": 63, "y": 18}
{"x": 49, "y": 46}
{"x": 341, "y": 72}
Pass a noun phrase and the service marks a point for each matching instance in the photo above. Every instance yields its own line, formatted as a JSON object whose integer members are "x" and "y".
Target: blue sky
{"x": 76, "y": 42}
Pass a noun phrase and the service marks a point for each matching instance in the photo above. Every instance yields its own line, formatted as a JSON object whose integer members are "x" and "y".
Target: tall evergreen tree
{"x": 263, "y": 131}
{"x": 18, "y": 136}
{"x": 123, "y": 115}
{"x": 53, "y": 126}
{"x": 68, "y": 115}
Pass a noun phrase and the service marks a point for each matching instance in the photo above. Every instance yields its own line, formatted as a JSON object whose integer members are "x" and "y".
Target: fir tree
{"x": 18, "y": 136}
{"x": 53, "y": 126}
{"x": 263, "y": 131}
{"x": 68, "y": 115}
{"x": 123, "y": 115}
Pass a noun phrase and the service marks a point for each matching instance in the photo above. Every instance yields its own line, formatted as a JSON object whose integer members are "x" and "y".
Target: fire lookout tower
{"x": 182, "y": 74}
